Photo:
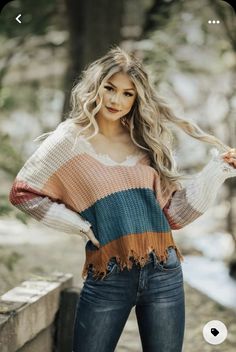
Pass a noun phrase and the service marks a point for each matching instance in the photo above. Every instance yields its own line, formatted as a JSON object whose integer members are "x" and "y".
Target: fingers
{"x": 91, "y": 236}
{"x": 231, "y": 162}
{"x": 96, "y": 243}
{"x": 230, "y": 157}
{"x": 230, "y": 153}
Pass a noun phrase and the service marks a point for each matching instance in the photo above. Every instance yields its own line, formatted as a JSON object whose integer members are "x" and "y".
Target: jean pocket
{"x": 172, "y": 263}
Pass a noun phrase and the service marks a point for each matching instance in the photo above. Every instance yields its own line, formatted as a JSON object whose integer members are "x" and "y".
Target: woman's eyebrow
{"x": 116, "y": 87}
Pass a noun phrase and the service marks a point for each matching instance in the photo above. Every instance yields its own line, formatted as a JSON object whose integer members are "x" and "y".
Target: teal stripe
{"x": 125, "y": 212}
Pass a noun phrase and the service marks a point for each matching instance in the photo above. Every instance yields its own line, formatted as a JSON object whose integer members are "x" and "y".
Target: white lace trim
{"x": 86, "y": 147}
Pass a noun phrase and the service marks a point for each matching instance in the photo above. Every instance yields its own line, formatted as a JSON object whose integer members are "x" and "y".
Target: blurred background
{"x": 188, "y": 49}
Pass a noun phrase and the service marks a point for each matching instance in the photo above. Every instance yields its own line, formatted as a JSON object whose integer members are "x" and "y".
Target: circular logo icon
{"x": 214, "y": 332}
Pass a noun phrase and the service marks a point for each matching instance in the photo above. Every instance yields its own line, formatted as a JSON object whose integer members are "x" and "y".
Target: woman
{"x": 109, "y": 174}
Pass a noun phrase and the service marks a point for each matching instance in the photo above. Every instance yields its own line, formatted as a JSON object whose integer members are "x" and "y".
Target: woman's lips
{"x": 112, "y": 110}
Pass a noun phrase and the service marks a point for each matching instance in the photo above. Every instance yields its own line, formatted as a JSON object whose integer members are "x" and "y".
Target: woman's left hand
{"x": 230, "y": 157}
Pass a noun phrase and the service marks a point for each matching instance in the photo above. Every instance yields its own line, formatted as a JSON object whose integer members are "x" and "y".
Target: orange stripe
{"x": 136, "y": 245}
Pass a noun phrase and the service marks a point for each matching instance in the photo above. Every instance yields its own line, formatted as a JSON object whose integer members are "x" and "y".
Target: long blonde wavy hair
{"x": 148, "y": 120}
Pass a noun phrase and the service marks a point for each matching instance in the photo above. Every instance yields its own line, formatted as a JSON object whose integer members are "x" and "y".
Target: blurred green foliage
{"x": 12, "y": 98}
{"x": 5, "y": 207}
{"x": 192, "y": 34}
{"x": 37, "y": 17}
{"x": 38, "y": 20}
{"x": 10, "y": 160}
{"x": 9, "y": 260}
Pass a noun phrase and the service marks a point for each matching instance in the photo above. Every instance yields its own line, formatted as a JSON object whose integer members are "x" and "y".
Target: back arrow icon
{"x": 17, "y": 18}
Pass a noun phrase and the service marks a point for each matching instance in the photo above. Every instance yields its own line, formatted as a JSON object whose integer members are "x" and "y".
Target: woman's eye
{"x": 108, "y": 88}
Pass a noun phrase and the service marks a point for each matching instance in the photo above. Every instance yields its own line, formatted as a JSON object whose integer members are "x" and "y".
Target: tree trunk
{"x": 94, "y": 26}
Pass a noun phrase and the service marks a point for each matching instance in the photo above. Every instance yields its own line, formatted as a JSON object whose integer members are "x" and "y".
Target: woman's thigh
{"x": 160, "y": 309}
{"x": 102, "y": 311}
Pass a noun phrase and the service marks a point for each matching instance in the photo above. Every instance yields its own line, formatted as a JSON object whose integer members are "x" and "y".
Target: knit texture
{"x": 71, "y": 188}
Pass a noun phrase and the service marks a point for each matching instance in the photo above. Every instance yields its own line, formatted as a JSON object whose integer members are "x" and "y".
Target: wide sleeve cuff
{"x": 200, "y": 192}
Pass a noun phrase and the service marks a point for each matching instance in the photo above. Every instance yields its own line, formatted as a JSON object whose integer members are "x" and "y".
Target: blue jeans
{"x": 157, "y": 292}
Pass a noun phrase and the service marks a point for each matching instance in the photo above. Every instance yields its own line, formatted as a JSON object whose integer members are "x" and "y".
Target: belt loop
{"x": 155, "y": 260}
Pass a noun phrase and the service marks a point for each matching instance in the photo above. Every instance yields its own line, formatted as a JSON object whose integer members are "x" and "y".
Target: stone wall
{"x": 38, "y": 315}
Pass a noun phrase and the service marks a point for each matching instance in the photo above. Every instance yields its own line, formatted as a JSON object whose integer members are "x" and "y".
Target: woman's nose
{"x": 115, "y": 98}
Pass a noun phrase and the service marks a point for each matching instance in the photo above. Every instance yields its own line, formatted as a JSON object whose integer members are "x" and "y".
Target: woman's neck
{"x": 110, "y": 129}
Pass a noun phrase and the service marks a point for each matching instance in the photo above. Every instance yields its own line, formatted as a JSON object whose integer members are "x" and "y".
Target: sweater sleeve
{"x": 187, "y": 204}
{"x": 38, "y": 191}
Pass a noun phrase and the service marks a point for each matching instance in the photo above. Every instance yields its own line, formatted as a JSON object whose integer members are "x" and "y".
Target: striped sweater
{"x": 73, "y": 189}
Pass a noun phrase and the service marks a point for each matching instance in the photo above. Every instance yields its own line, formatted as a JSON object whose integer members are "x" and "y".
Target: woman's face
{"x": 119, "y": 94}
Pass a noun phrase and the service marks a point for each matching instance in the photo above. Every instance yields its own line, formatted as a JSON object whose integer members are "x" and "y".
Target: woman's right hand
{"x": 92, "y": 238}
{"x": 230, "y": 157}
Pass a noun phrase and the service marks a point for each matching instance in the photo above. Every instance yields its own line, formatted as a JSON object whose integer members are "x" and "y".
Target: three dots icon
{"x": 214, "y": 22}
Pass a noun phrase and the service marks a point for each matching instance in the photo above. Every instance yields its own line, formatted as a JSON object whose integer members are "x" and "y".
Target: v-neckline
{"x": 130, "y": 160}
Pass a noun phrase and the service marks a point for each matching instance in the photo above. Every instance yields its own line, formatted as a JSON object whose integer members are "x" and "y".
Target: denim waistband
{"x": 152, "y": 258}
